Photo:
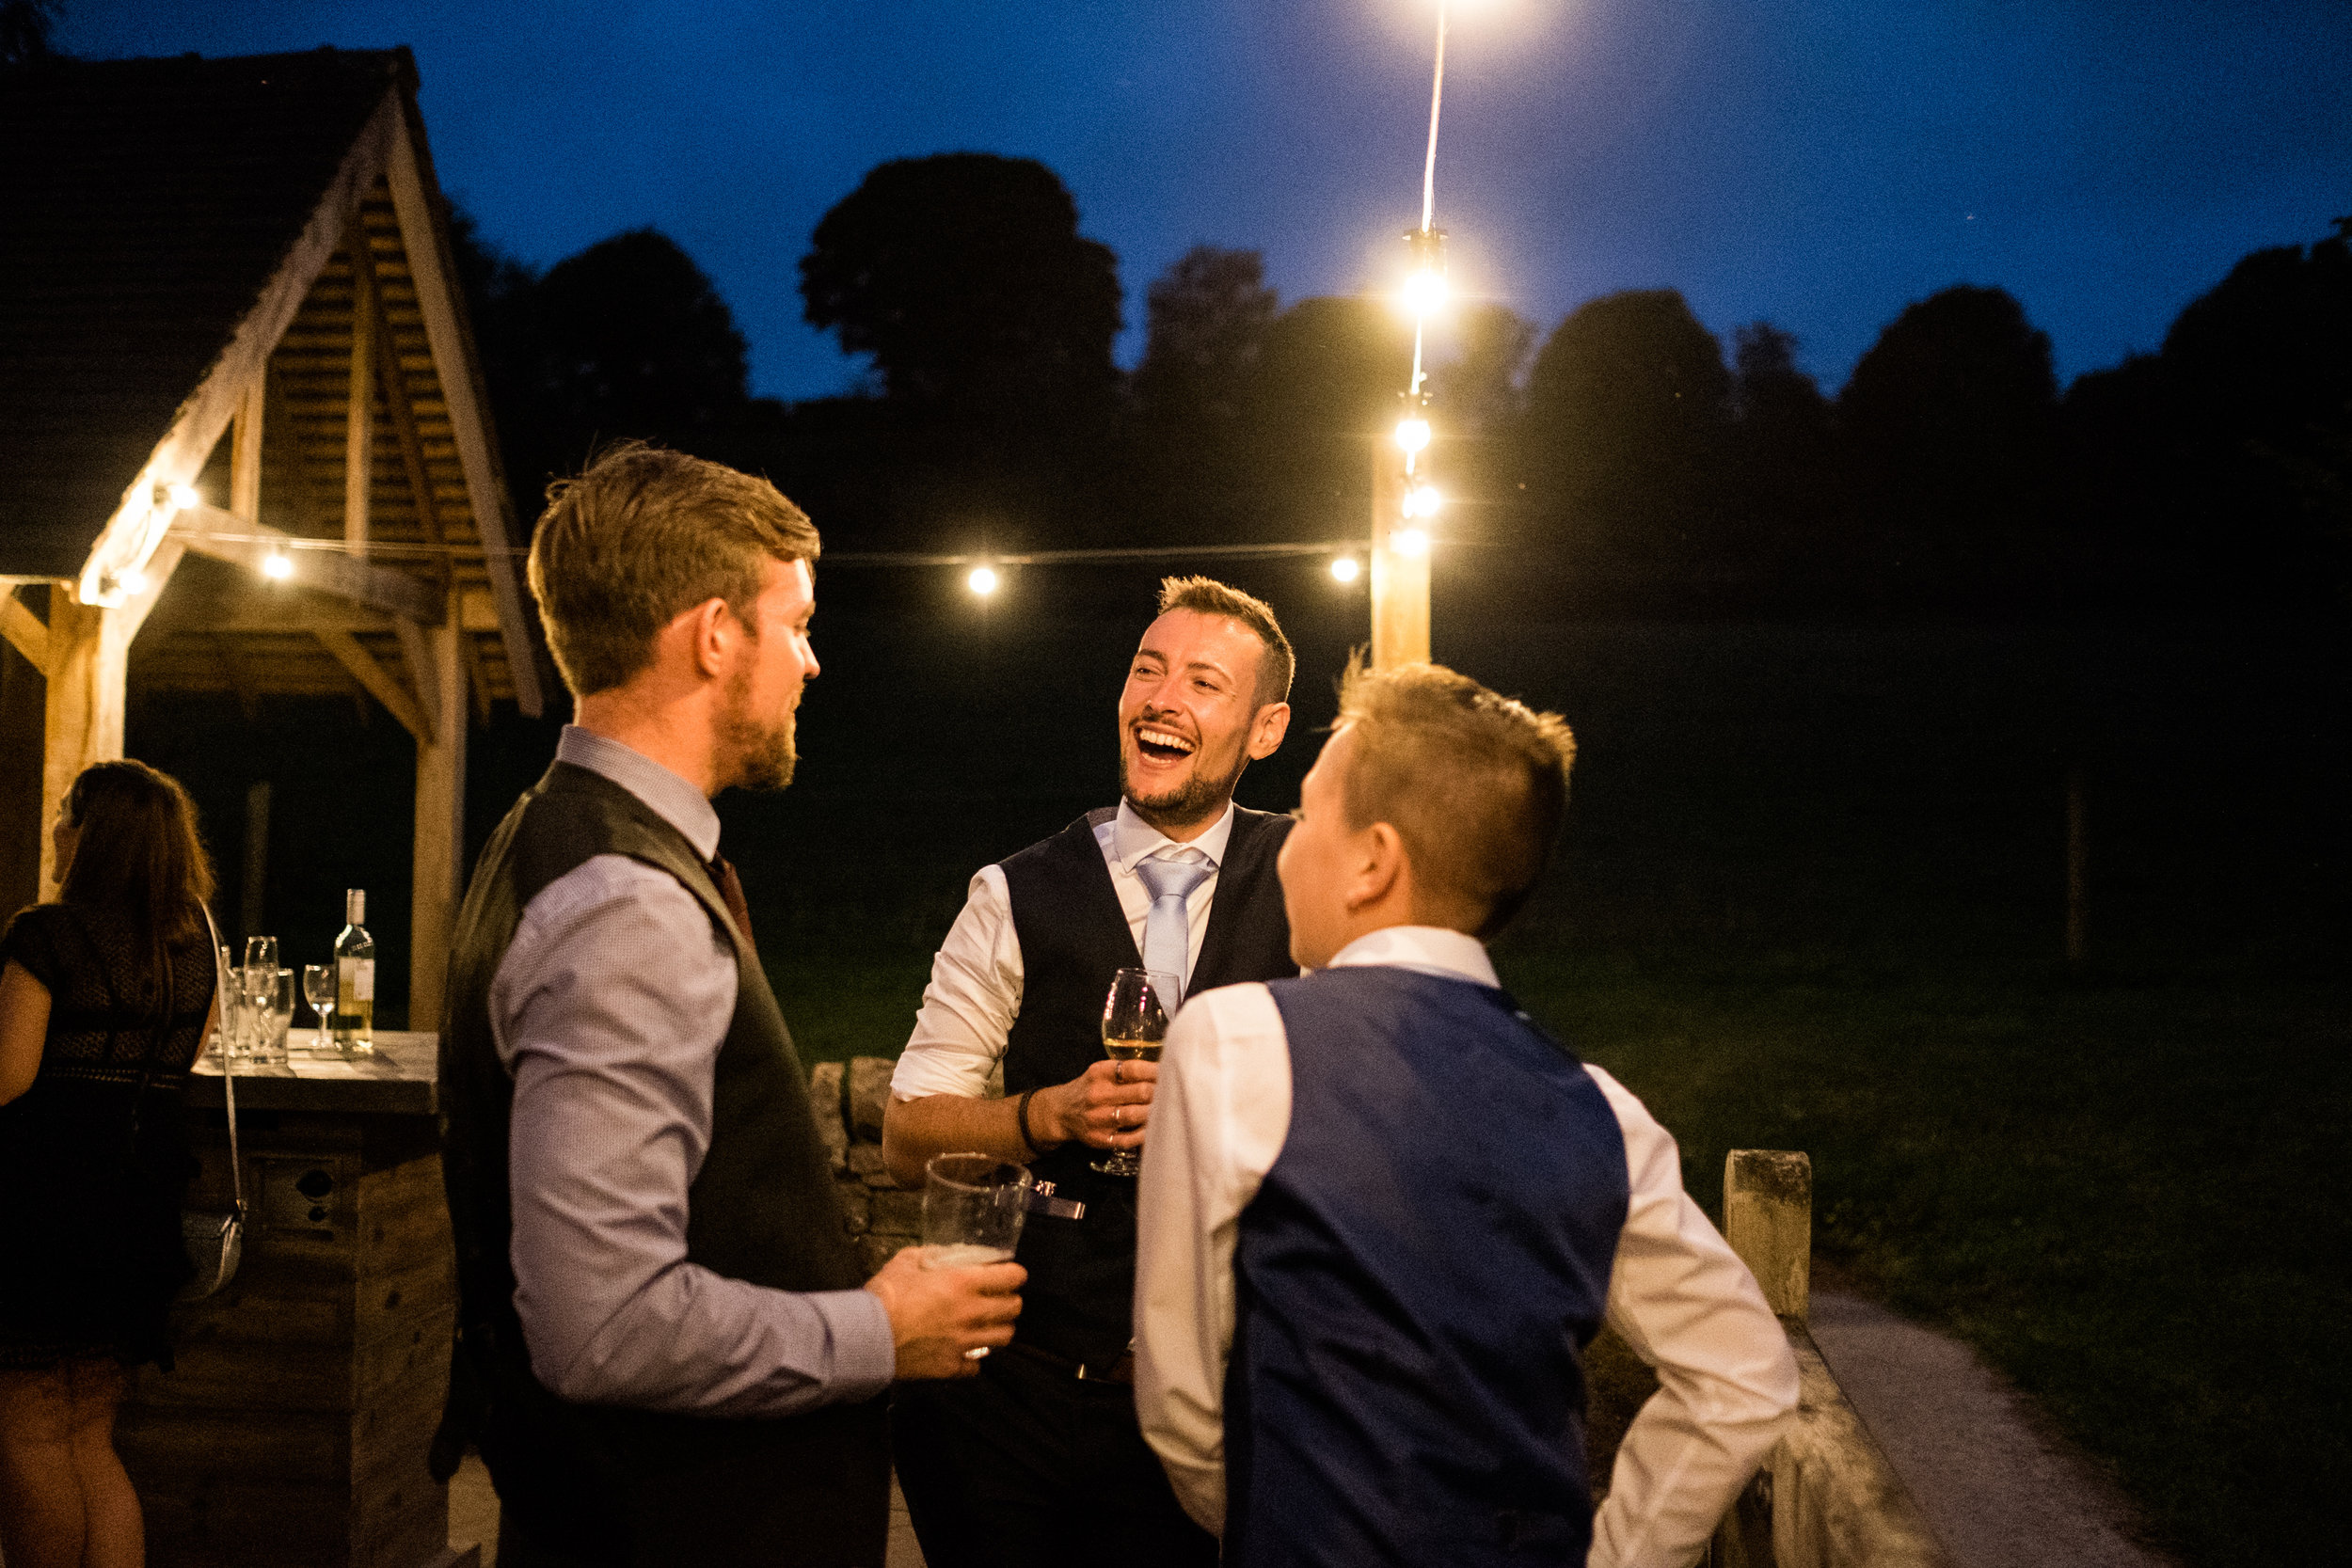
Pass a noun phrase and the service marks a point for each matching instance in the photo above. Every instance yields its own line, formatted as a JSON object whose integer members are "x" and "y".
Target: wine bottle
{"x": 355, "y": 979}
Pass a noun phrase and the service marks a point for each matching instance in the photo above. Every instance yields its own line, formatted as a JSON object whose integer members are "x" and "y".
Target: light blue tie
{"x": 1168, "y": 931}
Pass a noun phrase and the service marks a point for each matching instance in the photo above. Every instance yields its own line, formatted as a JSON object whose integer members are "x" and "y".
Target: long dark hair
{"x": 138, "y": 856}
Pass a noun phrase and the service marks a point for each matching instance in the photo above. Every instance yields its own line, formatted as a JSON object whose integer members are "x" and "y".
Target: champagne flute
{"x": 1133, "y": 1025}
{"x": 318, "y": 989}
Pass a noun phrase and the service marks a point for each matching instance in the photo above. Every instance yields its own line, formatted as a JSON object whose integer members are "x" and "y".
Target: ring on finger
{"x": 1118, "y": 1073}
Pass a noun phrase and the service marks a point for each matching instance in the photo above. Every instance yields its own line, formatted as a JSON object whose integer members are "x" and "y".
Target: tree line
{"x": 1621, "y": 463}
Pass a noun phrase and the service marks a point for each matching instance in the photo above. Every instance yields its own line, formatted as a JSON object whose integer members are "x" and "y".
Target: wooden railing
{"x": 1826, "y": 1496}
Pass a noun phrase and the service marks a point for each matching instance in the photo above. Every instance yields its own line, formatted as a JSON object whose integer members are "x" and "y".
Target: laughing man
{"x": 1038, "y": 1460}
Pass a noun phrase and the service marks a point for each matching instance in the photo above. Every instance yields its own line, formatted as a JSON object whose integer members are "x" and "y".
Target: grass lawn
{"x": 2107, "y": 1188}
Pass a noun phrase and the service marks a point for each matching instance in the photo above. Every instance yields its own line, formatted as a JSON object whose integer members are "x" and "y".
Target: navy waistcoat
{"x": 1415, "y": 1283}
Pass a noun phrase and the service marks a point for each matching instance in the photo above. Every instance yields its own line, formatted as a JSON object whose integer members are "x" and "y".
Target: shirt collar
{"x": 675, "y": 800}
{"x": 1133, "y": 838}
{"x": 1427, "y": 949}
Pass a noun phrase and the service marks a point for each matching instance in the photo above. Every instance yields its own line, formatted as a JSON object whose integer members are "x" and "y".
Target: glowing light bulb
{"x": 1412, "y": 435}
{"x": 1423, "y": 293}
{"x": 1345, "y": 568}
{"x": 133, "y": 581}
{"x": 982, "y": 581}
{"x": 1410, "y": 541}
{"x": 1422, "y": 500}
{"x": 278, "y": 566}
{"x": 185, "y": 497}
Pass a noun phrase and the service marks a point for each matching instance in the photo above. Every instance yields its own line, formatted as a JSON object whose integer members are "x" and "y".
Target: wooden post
{"x": 252, "y": 906}
{"x": 440, "y": 831}
{"x": 88, "y": 653}
{"x": 89, "y": 649}
{"x": 1400, "y": 578}
{"x": 2077, "y": 870}
{"x": 1767, "y": 1219}
{"x": 360, "y": 427}
{"x": 244, "y": 450}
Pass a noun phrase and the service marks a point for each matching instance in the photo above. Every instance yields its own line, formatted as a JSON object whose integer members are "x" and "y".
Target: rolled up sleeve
{"x": 1726, "y": 1379}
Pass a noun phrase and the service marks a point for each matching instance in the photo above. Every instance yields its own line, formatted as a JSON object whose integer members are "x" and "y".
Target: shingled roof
{"x": 148, "y": 204}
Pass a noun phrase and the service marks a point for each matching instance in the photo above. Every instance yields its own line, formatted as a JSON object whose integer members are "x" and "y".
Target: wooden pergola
{"x": 243, "y": 446}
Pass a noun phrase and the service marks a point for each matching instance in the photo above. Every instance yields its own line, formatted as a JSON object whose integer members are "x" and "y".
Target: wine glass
{"x": 318, "y": 989}
{"x": 1133, "y": 1025}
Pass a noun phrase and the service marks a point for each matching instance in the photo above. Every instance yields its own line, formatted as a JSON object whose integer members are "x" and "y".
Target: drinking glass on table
{"x": 1133, "y": 1025}
{"x": 973, "y": 1206}
{"x": 318, "y": 989}
{"x": 267, "y": 999}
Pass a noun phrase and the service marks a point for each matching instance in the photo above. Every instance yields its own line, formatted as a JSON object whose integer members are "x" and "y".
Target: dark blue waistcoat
{"x": 1415, "y": 1283}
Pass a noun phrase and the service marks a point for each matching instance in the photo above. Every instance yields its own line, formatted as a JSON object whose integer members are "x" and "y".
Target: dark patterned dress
{"x": 94, "y": 1159}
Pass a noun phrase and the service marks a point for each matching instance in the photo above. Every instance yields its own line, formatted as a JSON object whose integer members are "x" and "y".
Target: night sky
{"x": 1817, "y": 163}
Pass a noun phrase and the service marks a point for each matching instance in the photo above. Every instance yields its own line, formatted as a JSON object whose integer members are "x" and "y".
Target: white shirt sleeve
{"x": 974, "y": 996}
{"x": 1727, "y": 1383}
{"x": 1219, "y": 1118}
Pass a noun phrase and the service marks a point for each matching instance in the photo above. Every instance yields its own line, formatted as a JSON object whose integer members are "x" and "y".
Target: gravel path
{"x": 1997, "y": 1488}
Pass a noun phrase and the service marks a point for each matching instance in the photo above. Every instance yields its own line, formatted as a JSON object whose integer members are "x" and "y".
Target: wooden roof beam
{"x": 403, "y": 412}
{"x": 379, "y": 682}
{"x": 25, "y": 630}
{"x": 223, "y": 535}
{"x": 181, "y": 455}
{"x": 431, "y": 272}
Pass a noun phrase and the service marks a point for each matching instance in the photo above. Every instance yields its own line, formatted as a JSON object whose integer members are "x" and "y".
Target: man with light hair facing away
{"x": 664, "y": 1350}
{"x": 1384, "y": 1211}
{"x": 1039, "y": 1461}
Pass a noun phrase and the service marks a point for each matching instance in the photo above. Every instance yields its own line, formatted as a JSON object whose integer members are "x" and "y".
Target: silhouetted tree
{"x": 1207, "y": 318}
{"x": 1628, "y": 407}
{"x": 1782, "y": 483}
{"x": 2213, "y": 476}
{"x": 1950, "y": 423}
{"x": 965, "y": 277}
{"x": 25, "y": 29}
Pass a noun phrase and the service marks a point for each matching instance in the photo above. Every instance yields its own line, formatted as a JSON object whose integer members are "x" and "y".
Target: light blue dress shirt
{"x": 609, "y": 1010}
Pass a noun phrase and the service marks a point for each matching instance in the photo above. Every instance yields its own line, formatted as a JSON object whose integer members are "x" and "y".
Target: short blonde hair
{"x": 639, "y": 538}
{"x": 1474, "y": 782}
{"x": 1208, "y": 597}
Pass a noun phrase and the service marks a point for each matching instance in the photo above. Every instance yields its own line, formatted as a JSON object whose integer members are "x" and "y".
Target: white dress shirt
{"x": 974, "y": 989}
{"x": 608, "y": 1010}
{"x": 1677, "y": 1294}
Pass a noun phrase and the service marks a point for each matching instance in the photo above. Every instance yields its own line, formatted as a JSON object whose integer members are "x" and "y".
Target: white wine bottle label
{"x": 356, "y": 979}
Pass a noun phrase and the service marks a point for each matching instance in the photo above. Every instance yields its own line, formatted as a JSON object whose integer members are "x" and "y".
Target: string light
{"x": 185, "y": 497}
{"x": 1423, "y": 293}
{"x": 1422, "y": 500}
{"x": 1345, "y": 568}
{"x": 278, "y": 566}
{"x": 1410, "y": 541}
{"x": 1412, "y": 435}
{"x": 982, "y": 581}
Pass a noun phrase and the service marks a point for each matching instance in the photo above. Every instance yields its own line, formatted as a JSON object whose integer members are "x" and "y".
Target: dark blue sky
{"x": 1818, "y": 162}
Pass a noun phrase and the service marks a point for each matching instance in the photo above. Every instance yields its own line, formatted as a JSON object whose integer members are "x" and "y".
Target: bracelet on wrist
{"x": 1020, "y": 1113}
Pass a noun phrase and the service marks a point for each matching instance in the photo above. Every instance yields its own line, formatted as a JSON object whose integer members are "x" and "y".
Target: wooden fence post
{"x": 1767, "y": 1219}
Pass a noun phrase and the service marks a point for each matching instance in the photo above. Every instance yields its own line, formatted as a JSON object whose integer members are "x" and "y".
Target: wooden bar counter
{"x": 294, "y": 1432}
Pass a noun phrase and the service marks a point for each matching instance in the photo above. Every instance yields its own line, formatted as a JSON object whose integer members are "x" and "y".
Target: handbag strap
{"x": 228, "y": 1060}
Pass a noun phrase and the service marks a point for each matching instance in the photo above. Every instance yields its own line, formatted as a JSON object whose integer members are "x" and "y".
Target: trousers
{"x": 1027, "y": 1465}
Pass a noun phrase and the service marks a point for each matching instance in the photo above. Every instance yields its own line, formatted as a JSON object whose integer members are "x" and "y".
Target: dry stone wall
{"x": 849, "y": 1103}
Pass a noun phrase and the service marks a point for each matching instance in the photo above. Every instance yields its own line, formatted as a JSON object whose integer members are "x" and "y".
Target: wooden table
{"x": 293, "y": 1433}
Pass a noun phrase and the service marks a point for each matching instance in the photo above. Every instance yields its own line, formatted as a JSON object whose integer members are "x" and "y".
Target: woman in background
{"x": 106, "y": 998}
